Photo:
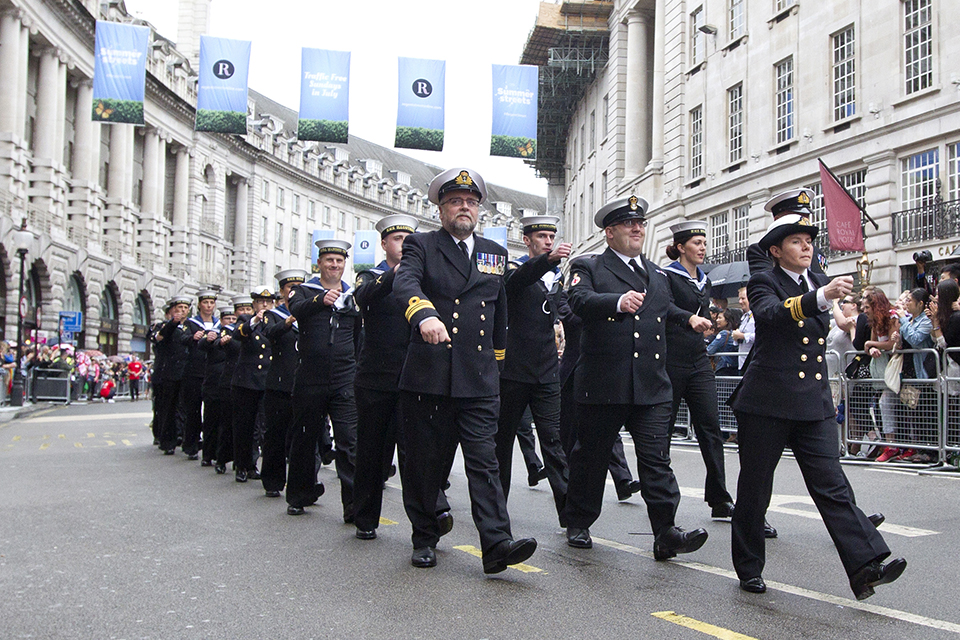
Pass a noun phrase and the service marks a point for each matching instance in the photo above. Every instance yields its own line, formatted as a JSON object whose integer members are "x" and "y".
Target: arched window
{"x": 141, "y": 325}
{"x": 109, "y": 323}
{"x": 74, "y": 301}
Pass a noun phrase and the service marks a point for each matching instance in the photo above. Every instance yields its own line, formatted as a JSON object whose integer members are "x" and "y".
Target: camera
{"x": 923, "y": 256}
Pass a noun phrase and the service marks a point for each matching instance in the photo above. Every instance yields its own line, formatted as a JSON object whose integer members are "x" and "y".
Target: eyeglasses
{"x": 457, "y": 202}
{"x": 848, "y": 301}
{"x": 630, "y": 224}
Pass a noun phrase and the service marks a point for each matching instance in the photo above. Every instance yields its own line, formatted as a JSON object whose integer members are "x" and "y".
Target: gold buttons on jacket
{"x": 259, "y": 366}
{"x": 819, "y": 358}
{"x": 456, "y": 330}
{"x": 658, "y": 336}
{"x": 449, "y": 346}
{"x": 261, "y": 356}
{"x": 479, "y": 347}
{"x": 636, "y": 355}
{"x": 656, "y": 356}
{"x": 636, "y": 334}
{"x": 457, "y": 301}
{"x": 800, "y": 323}
{"x": 806, "y": 340}
{"x": 636, "y": 317}
{"x": 263, "y": 346}
{"x": 455, "y": 315}
{"x": 803, "y": 358}
{"x": 483, "y": 303}
{"x": 658, "y": 318}
{"x": 483, "y": 317}
{"x": 819, "y": 376}
{"x": 481, "y": 331}
{"x": 802, "y": 374}
{"x": 821, "y": 341}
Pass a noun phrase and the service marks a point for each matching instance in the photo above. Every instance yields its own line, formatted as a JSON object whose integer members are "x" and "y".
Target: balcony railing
{"x": 936, "y": 221}
{"x": 726, "y": 255}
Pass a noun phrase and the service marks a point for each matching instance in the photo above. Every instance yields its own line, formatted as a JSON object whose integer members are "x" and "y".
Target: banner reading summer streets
{"x": 514, "y": 111}
{"x": 420, "y": 105}
{"x": 324, "y": 95}
{"x": 119, "y": 72}
{"x": 222, "y": 88}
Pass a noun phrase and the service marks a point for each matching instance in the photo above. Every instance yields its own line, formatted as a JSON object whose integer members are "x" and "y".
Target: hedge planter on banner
{"x": 119, "y": 72}
{"x": 324, "y": 95}
{"x": 420, "y": 104}
{"x": 222, "y": 88}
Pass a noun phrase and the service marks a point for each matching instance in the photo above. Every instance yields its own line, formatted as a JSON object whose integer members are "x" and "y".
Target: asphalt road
{"x": 101, "y": 536}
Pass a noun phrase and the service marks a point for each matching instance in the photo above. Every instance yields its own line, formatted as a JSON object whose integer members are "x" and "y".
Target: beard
{"x": 462, "y": 227}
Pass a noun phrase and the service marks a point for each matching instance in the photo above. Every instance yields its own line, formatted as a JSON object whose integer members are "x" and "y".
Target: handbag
{"x": 891, "y": 373}
{"x": 858, "y": 369}
{"x": 910, "y": 395}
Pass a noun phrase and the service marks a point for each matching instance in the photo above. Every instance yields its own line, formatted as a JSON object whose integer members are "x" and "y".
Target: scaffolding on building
{"x": 569, "y": 43}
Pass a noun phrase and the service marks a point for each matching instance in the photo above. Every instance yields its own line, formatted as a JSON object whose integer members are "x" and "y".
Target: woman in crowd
{"x": 725, "y": 365}
{"x": 884, "y": 336}
{"x": 915, "y": 329}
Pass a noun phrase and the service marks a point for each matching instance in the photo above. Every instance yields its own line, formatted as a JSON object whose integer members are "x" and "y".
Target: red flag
{"x": 843, "y": 213}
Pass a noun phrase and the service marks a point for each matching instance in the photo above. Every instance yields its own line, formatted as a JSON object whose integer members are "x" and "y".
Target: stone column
{"x": 161, "y": 174}
{"x": 10, "y": 71}
{"x": 151, "y": 171}
{"x": 84, "y": 166}
{"x": 21, "y": 95}
{"x": 181, "y": 202}
{"x": 240, "y": 253}
{"x": 637, "y": 140}
{"x": 45, "y": 128}
{"x": 61, "y": 116}
{"x": 118, "y": 158}
{"x": 656, "y": 154}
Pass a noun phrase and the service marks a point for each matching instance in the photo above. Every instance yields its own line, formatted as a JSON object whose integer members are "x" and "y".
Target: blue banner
{"x": 514, "y": 111}
{"x": 420, "y": 104}
{"x": 119, "y": 72}
{"x": 222, "y": 88}
{"x": 324, "y": 95}
{"x": 497, "y": 234}
{"x": 365, "y": 245}
{"x": 318, "y": 234}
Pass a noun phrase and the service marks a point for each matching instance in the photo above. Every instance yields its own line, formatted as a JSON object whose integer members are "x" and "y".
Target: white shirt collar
{"x": 469, "y": 241}
{"x": 796, "y": 275}
{"x": 626, "y": 260}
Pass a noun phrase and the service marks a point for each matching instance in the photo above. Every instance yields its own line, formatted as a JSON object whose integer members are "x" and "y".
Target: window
{"x": 356, "y": 223}
{"x": 343, "y": 220}
{"x": 326, "y": 215}
{"x": 295, "y": 203}
{"x": 603, "y": 189}
{"x": 953, "y": 171}
{"x": 265, "y": 191}
{"x": 697, "y": 38}
{"x": 741, "y": 226}
{"x": 784, "y": 4}
{"x": 278, "y": 242}
{"x": 583, "y": 144}
{"x": 312, "y": 210}
{"x": 263, "y": 229}
{"x": 917, "y": 45}
{"x": 918, "y": 179}
{"x": 590, "y": 191}
{"x": 844, "y": 77}
{"x": 735, "y": 122}
{"x": 719, "y": 235}
{"x": 294, "y": 240}
{"x": 737, "y": 22}
{"x": 280, "y": 194}
{"x": 784, "y": 100}
{"x": 696, "y": 143}
{"x": 593, "y": 131}
{"x": 263, "y": 271}
{"x": 606, "y": 115}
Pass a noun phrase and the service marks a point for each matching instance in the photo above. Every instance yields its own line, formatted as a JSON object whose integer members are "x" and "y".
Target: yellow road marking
{"x": 78, "y": 445}
{"x": 472, "y": 550}
{"x": 702, "y": 627}
{"x": 386, "y": 521}
{"x": 91, "y": 435}
{"x": 16, "y": 438}
{"x": 44, "y": 446}
{"x": 96, "y": 418}
{"x": 127, "y": 442}
{"x": 111, "y": 443}
{"x": 62, "y": 437}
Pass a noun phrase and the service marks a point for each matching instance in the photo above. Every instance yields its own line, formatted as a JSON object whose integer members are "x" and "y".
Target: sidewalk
{"x": 8, "y": 413}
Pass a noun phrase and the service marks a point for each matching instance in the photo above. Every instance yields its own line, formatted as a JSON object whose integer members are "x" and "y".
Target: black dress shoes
{"x": 220, "y": 469}
{"x": 874, "y": 574}
{"x": 169, "y": 452}
{"x": 272, "y": 494}
{"x": 877, "y": 519}
{"x": 445, "y": 523}
{"x": 423, "y": 557}
{"x": 769, "y": 531}
{"x": 241, "y": 475}
{"x": 328, "y": 456}
{"x": 364, "y": 534}
{"x": 754, "y": 585}
{"x": 507, "y": 553}
{"x": 675, "y": 540}
{"x": 193, "y": 456}
{"x": 348, "y": 514}
{"x": 295, "y": 511}
{"x": 535, "y": 475}
{"x": 722, "y": 510}
{"x": 253, "y": 474}
{"x": 579, "y": 538}
{"x": 626, "y": 490}
{"x": 206, "y": 463}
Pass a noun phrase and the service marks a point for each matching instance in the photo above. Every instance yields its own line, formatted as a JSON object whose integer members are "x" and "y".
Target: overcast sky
{"x": 469, "y": 36}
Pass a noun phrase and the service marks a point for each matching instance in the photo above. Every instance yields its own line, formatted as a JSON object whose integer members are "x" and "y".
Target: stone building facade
{"x": 124, "y": 217}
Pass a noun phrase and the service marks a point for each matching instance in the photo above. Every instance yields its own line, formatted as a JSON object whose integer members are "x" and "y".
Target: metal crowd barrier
{"x": 50, "y": 384}
{"x": 951, "y": 404}
{"x": 875, "y": 416}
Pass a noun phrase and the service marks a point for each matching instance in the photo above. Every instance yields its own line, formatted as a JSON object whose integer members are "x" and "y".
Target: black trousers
{"x": 157, "y": 425}
{"x": 310, "y": 410}
{"x": 544, "y": 403}
{"x": 246, "y": 404}
{"x": 433, "y": 426}
{"x": 134, "y": 388}
{"x": 762, "y": 440}
{"x": 225, "y": 436}
{"x": 212, "y": 408}
{"x": 278, "y": 414}
{"x": 169, "y": 401}
{"x": 698, "y": 386}
{"x": 527, "y": 441}
{"x": 191, "y": 400}
{"x": 598, "y": 428}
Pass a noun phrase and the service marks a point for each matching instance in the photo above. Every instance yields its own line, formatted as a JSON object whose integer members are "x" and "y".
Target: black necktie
{"x": 804, "y": 287}
{"x": 463, "y": 248}
{"x": 636, "y": 267}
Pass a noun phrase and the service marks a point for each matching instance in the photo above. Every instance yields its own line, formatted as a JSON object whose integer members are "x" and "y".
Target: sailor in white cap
{"x": 203, "y": 329}
{"x": 241, "y": 305}
{"x": 175, "y": 337}
{"x": 329, "y": 325}
{"x": 621, "y": 378}
{"x": 530, "y": 375}
{"x": 784, "y": 399}
{"x": 450, "y": 286}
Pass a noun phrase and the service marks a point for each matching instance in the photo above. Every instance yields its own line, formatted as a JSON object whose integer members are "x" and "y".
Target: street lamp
{"x": 864, "y": 269}
{"x": 22, "y": 239}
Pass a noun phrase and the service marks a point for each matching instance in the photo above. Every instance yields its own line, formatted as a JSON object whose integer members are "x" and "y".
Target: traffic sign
{"x": 24, "y": 307}
{"x": 71, "y": 321}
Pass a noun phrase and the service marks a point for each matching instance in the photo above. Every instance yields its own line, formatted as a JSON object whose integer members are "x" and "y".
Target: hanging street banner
{"x": 318, "y": 234}
{"x": 844, "y": 224}
{"x": 324, "y": 95}
{"x": 222, "y": 88}
{"x": 514, "y": 111}
{"x": 497, "y": 234}
{"x": 420, "y": 105}
{"x": 365, "y": 245}
{"x": 119, "y": 72}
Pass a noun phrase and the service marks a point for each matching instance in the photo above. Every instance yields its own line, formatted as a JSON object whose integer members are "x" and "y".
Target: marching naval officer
{"x": 213, "y": 397}
{"x": 625, "y": 303}
{"x": 385, "y": 337}
{"x": 531, "y": 371}
{"x": 203, "y": 328}
{"x": 450, "y": 283}
{"x": 281, "y": 329}
{"x": 175, "y": 336}
{"x": 242, "y": 305}
{"x": 784, "y": 399}
{"x": 329, "y": 323}
{"x": 792, "y": 201}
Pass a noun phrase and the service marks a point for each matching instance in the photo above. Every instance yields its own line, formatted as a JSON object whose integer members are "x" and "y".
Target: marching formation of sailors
{"x": 448, "y": 342}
